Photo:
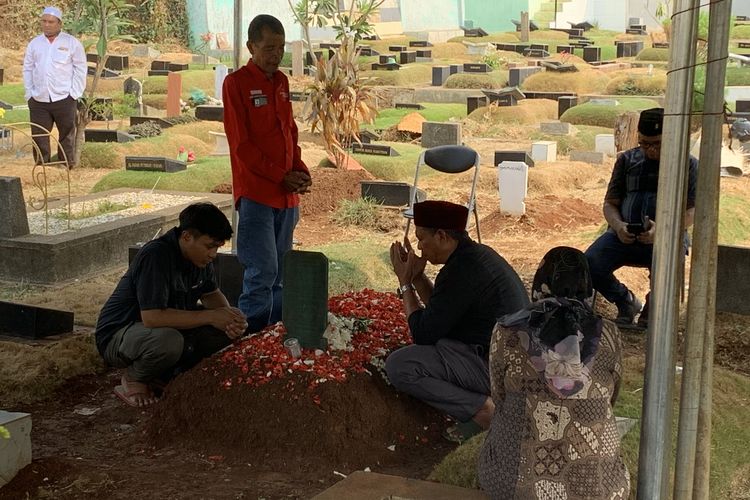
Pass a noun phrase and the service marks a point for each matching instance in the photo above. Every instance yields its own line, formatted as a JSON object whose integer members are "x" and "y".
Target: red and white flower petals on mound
{"x": 381, "y": 327}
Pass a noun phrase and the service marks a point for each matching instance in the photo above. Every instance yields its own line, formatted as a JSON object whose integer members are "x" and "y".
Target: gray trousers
{"x": 61, "y": 113}
{"x": 450, "y": 376}
{"x": 160, "y": 353}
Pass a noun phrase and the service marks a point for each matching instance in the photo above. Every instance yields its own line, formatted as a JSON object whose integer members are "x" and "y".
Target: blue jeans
{"x": 608, "y": 254}
{"x": 264, "y": 235}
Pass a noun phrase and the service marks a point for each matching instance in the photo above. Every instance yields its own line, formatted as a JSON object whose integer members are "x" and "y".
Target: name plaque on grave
{"x": 374, "y": 149}
{"x": 154, "y": 164}
{"x": 408, "y": 105}
{"x": 476, "y": 68}
{"x": 419, "y": 43}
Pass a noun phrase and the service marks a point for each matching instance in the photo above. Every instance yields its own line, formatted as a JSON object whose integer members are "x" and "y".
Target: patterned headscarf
{"x": 563, "y": 330}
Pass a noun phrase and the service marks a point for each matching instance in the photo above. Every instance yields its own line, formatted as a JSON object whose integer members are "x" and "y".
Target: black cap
{"x": 651, "y": 122}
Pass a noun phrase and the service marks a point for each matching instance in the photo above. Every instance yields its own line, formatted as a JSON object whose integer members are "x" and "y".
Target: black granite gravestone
{"x": 408, "y": 105}
{"x": 564, "y": 103}
{"x": 564, "y": 49}
{"x": 407, "y": 57}
{"x": 473, "y": 103}
{"x": 305, "y": 298}
{"x": 456, "y": 68}
{"x": 439, "y": 75}
{"x": 102, "y": 135}
{"x": 516, "y": 76}
{"x": 592, "y": 54}
{"x": 419, "y": 43}
{"x": 32, "y": 322}
{"x": 158, "y": 72}
{"x": 160, "y": 65}
{"x": 209, "y": 113}
{"x": 374, "y": 149}
{"x": 742, "y": 106}
{"x": 392, "y": 194}
{"x": 386, "y": 58}
{"x": 397, "y": 48}
{"x": 154, "y": 164}
{"x": 178, "y": 67}
{"x": 424, "y": 53}
{"x": 522, "y": 156}
{"x": 309, "y": 60}
{"x": 476, "y": 68}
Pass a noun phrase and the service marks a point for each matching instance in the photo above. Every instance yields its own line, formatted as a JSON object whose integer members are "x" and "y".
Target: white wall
{"x": 424, "y": 15}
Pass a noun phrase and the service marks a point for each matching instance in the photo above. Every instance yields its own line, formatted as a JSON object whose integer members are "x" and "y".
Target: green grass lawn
{"x": 355, "y": 265}
{"x": 433, "y": 112}
{"x": 394, "y": 168}
{"x": 191, "y": 79}
{"x": 12, "y": 93}
{"x": 605, "y": 115}
{"x": 201, "y": 176}
{"x": 584, "y": 140}
{"x": 15, "y": 116}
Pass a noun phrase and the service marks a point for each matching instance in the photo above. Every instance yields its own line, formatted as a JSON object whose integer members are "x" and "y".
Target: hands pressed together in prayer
{"x": 407, "y": 266}
{"x": 297, "y": 181}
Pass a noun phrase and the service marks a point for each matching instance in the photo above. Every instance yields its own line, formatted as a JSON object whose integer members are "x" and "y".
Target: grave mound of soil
{"x": 328, "y": 409}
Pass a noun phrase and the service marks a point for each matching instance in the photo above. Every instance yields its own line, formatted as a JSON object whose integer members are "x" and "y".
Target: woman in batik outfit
{"x": 555, "y": 369}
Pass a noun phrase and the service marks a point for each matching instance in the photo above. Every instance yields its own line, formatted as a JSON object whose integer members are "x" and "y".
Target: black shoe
{"x": 628, "y": 310}
{"x": 643, "y": 318}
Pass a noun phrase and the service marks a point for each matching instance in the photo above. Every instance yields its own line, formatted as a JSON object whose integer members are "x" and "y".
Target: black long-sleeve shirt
{"x": 474, "y": 288}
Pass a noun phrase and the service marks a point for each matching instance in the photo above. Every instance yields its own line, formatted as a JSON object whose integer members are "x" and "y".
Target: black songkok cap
{"x": 440, "y": 215}
{"x": 651, "y": 122}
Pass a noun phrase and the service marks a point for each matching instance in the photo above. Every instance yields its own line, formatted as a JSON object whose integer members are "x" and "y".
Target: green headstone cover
{"x": 305, "y": 297}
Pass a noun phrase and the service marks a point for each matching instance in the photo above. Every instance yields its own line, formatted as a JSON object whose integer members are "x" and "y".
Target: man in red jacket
{"x": 268, "y": 174}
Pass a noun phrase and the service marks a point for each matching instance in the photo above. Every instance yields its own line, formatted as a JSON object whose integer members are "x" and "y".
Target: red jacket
{"x": 262, "y": 136}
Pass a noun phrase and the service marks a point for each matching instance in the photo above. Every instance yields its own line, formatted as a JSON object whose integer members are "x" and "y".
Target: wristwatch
{"x": 403, "y": 288}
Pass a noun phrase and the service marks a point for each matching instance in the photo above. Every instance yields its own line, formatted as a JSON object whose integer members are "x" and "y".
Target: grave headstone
{"x": 178, "y": 67}
{"x": 101, "y": 109}
{"x": 419, "y": 43}
{"x": 733, "y": 279}
{"x": 475, "y": 33}
{"x": 158, "y": 72}
{"x": 516, "y": 76}
{"x": 544, "y": 151}
{"x": 407, "y": 57}
{"x": 440, "y": 134}
{"x": 592, "y": 54}
{"x": 160, "y": 65}
{"x": 117, "y": 62}
{"x": 564, "y": 49}
{"x": 605, "y": 143}
{"x": 538, "y": 53}
{"x": 456, "y": 68}
{"x": 104, "y": 135}
{"x": 592, "y": 157}
{"x": 13, "y": 219}
{"x": 15, "y": 453}
{"x": 374, "y": 149}
{"x": 743, "y": 45}
{"x": 391, "y": 194}
{"x": 298, "y": 96}
{"x": 635, "y": 21}
{"x": 221, "y": 144}
{"x": 660, "y": 45}
{"x": 397, "y": 48}
{"x": 556, "y": 128}
{"x": 209, "y": 113}
{"x": 408, "y": 105}
{"x": 476, "y": 68}
{"x": 521, "y": 156}
{"x": 629, "y": 48}
{"x": 133, "y": 87}
{"x": 367, "y": 51}
{"x": 220, "y": 73}
{"x": 564, "y": 103}
{"x": 386, "y": 58}
{"x": 174, "y": 91}
{"x": 33, "y": 322}
{"x": 143, "y": 50}
{"x": 386, "y": 67}
{"x": 154, "y": 164}
{"x": 305, "y": 298}
{"x": 635, "y": 31}
{"x": 742, "y": 106}
{"x": 424, "y": 53}
{"x": 513, "y": 181}
{"x": 367, "y": 136}
{"x": 473, "y": 103}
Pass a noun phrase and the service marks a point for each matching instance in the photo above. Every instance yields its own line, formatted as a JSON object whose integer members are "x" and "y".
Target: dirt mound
{"x": 326, "y": 409}
{"x": 547, "y": 213}
{"x": 331, "y": 185}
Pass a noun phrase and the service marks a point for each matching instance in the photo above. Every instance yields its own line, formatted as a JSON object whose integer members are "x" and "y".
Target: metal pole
{"x": 238, "y": 47}
{"x": 656, "y": 428}
{"x": 556, "y": 26}
{"x": 701, "y": 480}
{"x": 702, "y": 302}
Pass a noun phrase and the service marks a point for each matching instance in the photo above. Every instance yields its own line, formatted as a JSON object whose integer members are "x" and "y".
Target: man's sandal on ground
{"x": 461, "y": 432}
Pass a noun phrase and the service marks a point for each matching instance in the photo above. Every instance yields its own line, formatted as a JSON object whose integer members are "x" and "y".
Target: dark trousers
{"x": 161, "y": 353}
{"x": 608, "y": 254}
{"x": 450, "y": 376}
{"x": 61, "y": 114}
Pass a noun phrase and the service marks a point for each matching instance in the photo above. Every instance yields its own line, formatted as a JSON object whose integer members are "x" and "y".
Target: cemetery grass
{"x": 583, "y": 140}
{"x": 16, "y": 116}
{"x": 409, "y": 75}
{"x": 433, "y": 112}
{"x": 393, "y": 168}
{"x": 202, "y": 79}
{"x": 605, "y": 115}
{"x": 12, "y": 93}
{"x": 202, "y": 176}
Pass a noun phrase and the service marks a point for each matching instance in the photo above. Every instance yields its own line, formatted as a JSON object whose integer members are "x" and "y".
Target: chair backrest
{"x": 451, "y": 159}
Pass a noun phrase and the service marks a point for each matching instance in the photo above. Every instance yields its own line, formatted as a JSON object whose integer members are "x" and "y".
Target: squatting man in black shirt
{"x": 167, "y": 313}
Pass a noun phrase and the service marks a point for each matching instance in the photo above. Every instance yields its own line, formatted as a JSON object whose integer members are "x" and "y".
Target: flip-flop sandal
{"x": 126, "y": 396}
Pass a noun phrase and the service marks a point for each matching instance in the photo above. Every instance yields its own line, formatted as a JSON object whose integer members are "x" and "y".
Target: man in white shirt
{"x": 54, "y": 77}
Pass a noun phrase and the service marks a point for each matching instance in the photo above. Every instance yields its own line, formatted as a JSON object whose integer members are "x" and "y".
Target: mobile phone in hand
{"x": 635, "y": 228}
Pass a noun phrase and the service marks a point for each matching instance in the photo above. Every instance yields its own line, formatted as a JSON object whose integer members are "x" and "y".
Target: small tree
{"x": 339, "y": 98}
{"x": 104, "y": 20}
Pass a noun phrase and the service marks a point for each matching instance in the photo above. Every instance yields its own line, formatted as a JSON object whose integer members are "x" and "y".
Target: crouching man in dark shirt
{"x": 153, "y": 326}
{"x": 447, "y": 367}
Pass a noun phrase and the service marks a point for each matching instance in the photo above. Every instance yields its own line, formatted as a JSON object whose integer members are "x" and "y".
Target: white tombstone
{"x": 513, "y": 181}
{"x": 219, "y": 75}
{"x": 605, "y": 143}
{"x": 479, "y": 49}
{"x": 544, "y": 151}
{"x": 221, "y": 145}
{"x": 15, "y": 452}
